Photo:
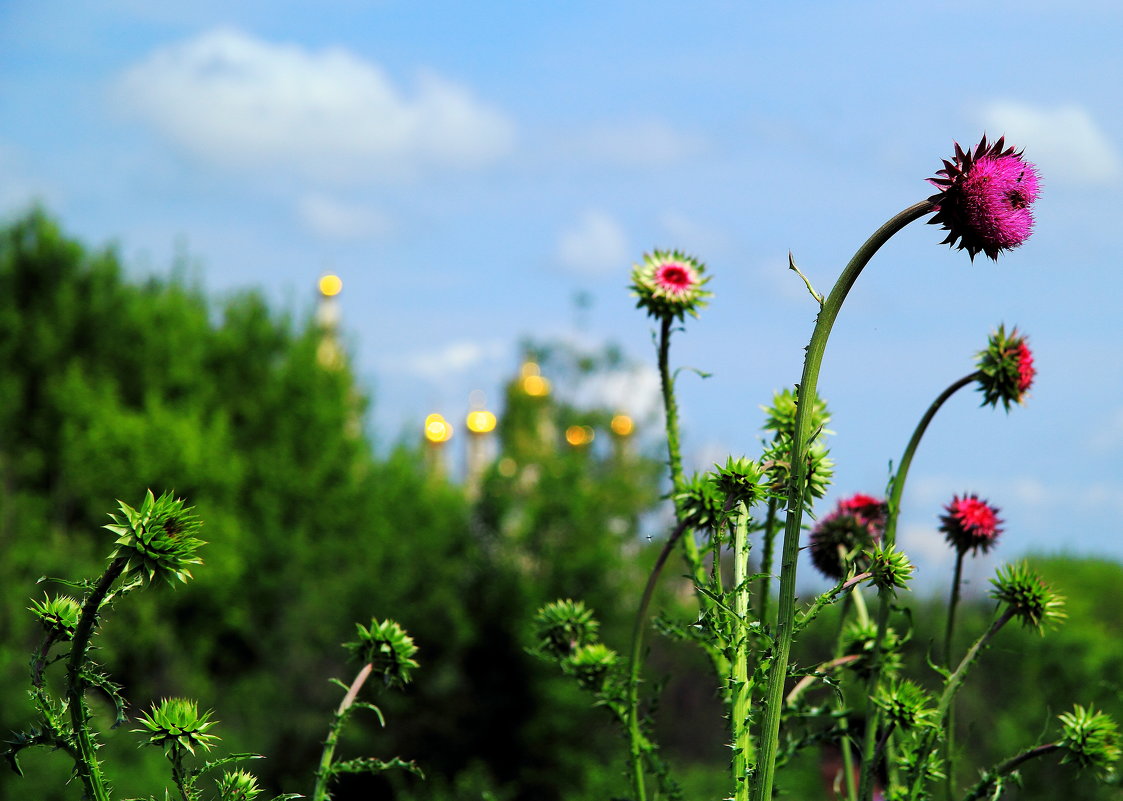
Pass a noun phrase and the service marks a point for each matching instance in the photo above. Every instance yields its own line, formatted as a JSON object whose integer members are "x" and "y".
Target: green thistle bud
{"x": 780, "y": 416}
{"x": 858, "y": 639}
{"x": 58, "y": 616}
{"x": 700, "y": 504}
{"x": 891, "y": 568}
{"x": 562, "y": 627}
{"x": 1006, "y": 370}
{"x": 176, "y": 723}
{"x": 238, "y": 785}
{"x": 1030, "y": 599}
{"x": 669, "y": 284}
{"x": 158, "y": 539}
{"x": 776, "y": 462}
{"x": 905, "y": 704}
{"x": 740, "y": 481}
{"x": 1090, "y": 738}
{"x": 387, "y": 648}
{"x": 590, "y": 664}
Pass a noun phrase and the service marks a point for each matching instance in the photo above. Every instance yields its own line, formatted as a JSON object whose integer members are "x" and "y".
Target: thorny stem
{"x": 635, "y": 736}
{"x": 766, "y": 560}
{"x": 896, "y": 490}
{"x": 949, "y": 735}
{"x": 323, "y": 774}
{"x": 741, "y": 692}
{"x": 770, "y": 727}
{"x": 87, "y": 766}
{"x": 1009, "y": 766}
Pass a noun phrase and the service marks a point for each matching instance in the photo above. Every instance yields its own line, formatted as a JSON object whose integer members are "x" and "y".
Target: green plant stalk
{"x": 324, "y": 774}
{"x": 1009, "y": 766}
{"x": 949, "y": 633}
{"x": 635, "y": 735}
{"x": 896, "y": 490}
{"x": 180, "y": 776}
{"x": 741, "y": 692}
{"x": 766, "y": 559}
{"x": 86, "y": 765}
{"x": 951, "y": 687}
{"x": 773, "y": 706}
{"x": 840, "y": 704}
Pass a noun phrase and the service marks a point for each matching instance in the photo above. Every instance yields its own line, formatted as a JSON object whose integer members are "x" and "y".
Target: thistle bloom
{"x": 669, "y": 284}
{"x": 1006, "y": 370}
{"x": 840, "y": 537}
{"x": 985, "y": 197}
{"x": 971, "y": 524}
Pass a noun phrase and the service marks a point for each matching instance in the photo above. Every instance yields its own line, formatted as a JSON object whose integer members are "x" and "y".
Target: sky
{"x": 472, "y": 169}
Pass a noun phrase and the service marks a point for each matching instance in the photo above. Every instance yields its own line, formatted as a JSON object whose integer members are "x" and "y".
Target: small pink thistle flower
{"x": 971, "y": 524}
{"x": 855, "y": 524}
{"x": 1006, "y": 370}
{"x": 985, "y": 197}
{"x": 669, "y": 284}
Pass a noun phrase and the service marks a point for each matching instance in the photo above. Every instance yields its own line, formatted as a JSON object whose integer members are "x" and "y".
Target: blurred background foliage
{"x": 109, "y": 386}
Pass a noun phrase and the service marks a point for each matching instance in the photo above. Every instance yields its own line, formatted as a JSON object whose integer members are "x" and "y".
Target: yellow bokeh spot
{"x": 579, "y": 435}
{"x": 529, "y": 369}
{"x": 480, "y": 421}
{"x": 437, "y": 429}
{"x": 330, "y": 285}
{"x": 622, "y": 425}
{"x": 535, "y": 386}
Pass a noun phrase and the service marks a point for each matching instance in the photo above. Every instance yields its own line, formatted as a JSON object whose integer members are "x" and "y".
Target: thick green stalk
{"x": 773, "y": 706}
{"x": 635, "y": 735}
{"x": 87, "y": 766}
{"x": 739, "y": 720}
{"x": 896, "y": 490}
{"x": 324, "y": 774}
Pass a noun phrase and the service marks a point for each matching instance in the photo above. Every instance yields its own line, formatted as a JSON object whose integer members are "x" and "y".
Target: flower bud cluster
{"x": 58, "y": 615}
{"x": 157, "y": 540}
{"x": 387, "y": 647}
{"x": 1090, "y": 738}
{"x": 566, "y": 632}
{"x": 1029, "y": 598}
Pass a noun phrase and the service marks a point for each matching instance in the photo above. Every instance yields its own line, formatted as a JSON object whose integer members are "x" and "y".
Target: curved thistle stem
{"x": 324, "y": 773}
{"x": 1005, "y": 768}
{"x": 87, "y": 766}
{"x": 773, "y": 706}
{"x": 635, "y": 736}
{"x": 896, "y": 490}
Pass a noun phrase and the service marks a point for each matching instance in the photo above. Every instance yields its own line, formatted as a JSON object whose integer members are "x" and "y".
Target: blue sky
{"x": 468, "y": 168}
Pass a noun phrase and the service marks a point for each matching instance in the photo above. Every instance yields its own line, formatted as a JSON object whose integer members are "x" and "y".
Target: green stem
{"x": 87, "y": 766}
{"x": 1009, "y": 766}
{"x": 949, "y": 633}
{"x": 635, "y": 735}
{"x": 324, "y": 773}
{"x": 741, "y": 692}
{"x": 893, "y": 504}
{"x": 840, "y": 704}
{"x": 767, "y": 557}
{"x": 773, "y": 707}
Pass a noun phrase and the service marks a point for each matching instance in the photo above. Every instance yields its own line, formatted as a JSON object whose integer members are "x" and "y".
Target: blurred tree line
{"x": 109, "y": 386}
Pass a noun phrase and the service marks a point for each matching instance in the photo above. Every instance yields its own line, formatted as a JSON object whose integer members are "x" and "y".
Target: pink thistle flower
{"x": 1006, "y": 370}
{"x": 985, "y": 197}
{"x": 675, "y": 279}
{"x": 971, "y": 524}
{"x": 669, "y": 284}
{"x": 838, "y": 539}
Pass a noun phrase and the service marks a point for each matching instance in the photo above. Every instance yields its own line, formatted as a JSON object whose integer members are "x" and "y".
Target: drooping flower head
{"x": 838, "y": 540}
{"x": 985, "y": 197}
{"x": 1006, "y": 370}
{"x": 669, "y": 284}
{"x": 388, "y": 648}
{"x": 971, "y": 524}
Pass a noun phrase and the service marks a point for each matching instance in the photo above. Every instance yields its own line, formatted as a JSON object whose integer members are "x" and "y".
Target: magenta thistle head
{"x": 669, "y": 284}
{"x": 837, "y": 541}
{"x": 985, "y": 197}
{"x": 970, "y": 523}
{"x": 1006, "y": 370}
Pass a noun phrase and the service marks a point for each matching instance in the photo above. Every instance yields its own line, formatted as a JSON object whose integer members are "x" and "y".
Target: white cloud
{"x": 336, "y": 219}
{"x": 639, "y": 143}
{"x": 452, "y": 359}
{"x": 328, "y": 115}
{"x": 1064, "y": 141}
{"x": 635, "y": 391}
{"x": 596, "y": 244}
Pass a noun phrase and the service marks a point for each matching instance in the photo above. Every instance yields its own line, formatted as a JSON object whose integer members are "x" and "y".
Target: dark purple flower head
{"x": 985, "y": 197}
{"x": 837, "y": 541}
{"x": 971, "y": 523}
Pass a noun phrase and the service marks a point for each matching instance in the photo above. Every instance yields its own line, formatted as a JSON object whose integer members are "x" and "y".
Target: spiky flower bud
{"x": 739, "y": 481}
{"x": 890, "y": 567}
{"x": 860, "y": 638}
{"x": 176, "y": 723}
{"x": 776, "y": 462}
{"x": 699, "y": 503}
{"x": 905, "y": 704}
{"x": 1091, "y": 739}
{"x": 970, "y": 523}
{"x": 387, "y": 648}
{"x": 563, "y": 626}
{"x": 780, "y": 416}
{"x": 1030, "y": 599}
{"x": 1006, "y": 370}
{"x": 839, "y": 540}
{"x": 590, "y": 664}
{"x": 238, "y": 785}
{"x": 158, "y": 540}
{"x": 985, "y": 197}
{"x": 58, "y": 615}
{"x": 669, "y": 284}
